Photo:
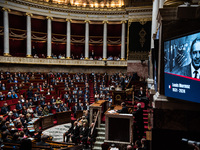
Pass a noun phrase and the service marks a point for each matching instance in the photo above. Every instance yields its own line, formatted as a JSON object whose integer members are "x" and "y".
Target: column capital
{"x": 29, "y": 14}
{"x": 49, "y": 17}
{"x": 123, "y": 21}
{"x": 68, "y": 58}
{"x": 6, "y": 9}
{"x": 105, "y": 21}
{"x": 122, "y": 59}
{"x": 87, "y": 21}
{"x": 49, "y": 57}
{"x": 70, "y": 20}
{"x": 29, "y": 56}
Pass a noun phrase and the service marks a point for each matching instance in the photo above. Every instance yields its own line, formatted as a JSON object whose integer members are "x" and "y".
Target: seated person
{"x": 64, "y": 107}
{"x": 53, "y": 100}
{"x": 75, "y": 133}
{"x": 92, "y": 134}
{"x": 4, "y": 109}
{"x": 9, "y": 95}
{"x": 124, "y": 109}
{"x": 68, "y": 134}
{"x": 14, "y": 95}
{"x": 58, "y": 100}
{"x": 58, "y": 109}
{"x": 84, "y": 134}
{"x": 45, "y": 111}
{"x": 19, "y": 106}
{"x": 30, "y": 110}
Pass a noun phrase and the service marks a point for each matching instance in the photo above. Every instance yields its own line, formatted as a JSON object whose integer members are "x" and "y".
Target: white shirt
{"x": 192, "y": 72}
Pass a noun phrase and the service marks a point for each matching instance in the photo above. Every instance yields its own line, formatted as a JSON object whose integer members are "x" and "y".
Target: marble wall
{"x": 137, "y": 66}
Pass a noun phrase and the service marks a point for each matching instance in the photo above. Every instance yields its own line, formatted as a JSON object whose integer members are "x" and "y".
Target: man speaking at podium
{"x": 124, "y": 109}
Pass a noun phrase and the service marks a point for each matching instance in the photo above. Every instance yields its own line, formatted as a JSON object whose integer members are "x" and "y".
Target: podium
{"x": 119, "y": 127}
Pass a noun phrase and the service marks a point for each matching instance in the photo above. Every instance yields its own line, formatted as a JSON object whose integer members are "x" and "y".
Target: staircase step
{"x": 98, "y": 143}
{"x": 97, "y": 148}
{"x": 102, "y": 125}
{"x": 100, "y": 138}
{"x": 101, "y": 133}
{"x": 101, "y": 129}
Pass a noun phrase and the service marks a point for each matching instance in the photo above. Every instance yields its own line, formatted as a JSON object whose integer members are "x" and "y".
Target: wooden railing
{"x": 95, "y": 121}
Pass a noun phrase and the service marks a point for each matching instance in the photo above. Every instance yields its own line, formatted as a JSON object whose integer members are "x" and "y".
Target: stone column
{"x": 28, "y": 40}
{"x": 161, "y": 3}
{"x": 87, "y": 39}
{"x": 105, "y": 40}
{"x": 68, "y": 47}
{"x": 123, "y": 40}
{"x": 153, "y": 31}
{"x": 6, "y": 31}
{"x": 154, "y": 21}
{"x": 49, "y": 50}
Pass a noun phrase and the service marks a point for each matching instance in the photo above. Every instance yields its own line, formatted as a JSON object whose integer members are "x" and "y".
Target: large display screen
{"x": 182, "y": 67}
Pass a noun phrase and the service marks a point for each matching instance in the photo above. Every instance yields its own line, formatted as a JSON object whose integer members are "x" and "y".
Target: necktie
{"x": 195, "y": 72}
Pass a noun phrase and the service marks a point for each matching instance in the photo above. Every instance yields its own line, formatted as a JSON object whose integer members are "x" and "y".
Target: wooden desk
{"x": 101, "y": 106}
{"x": 119, "y": 127}
{"x": 47, "y": 121}
{"x": 63, "y": 117}
{"x": 79, "y": 113}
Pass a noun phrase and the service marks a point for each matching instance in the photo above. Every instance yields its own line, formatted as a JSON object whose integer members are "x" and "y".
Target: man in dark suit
{"x": 53, "y": 100}
{"x": 58, "y": 109}
{"x": 193, "y": 69}
{"x": 19, "y": 105}
{"x": 4, "y": 109}
{"x": 124, "y": 109}
{"x": 68, "y": 133}
{"x": 75, "y": 133}
{"x": 141, "y": 93}
{"x": 92, "y": 134}
{"x": 83, "y": 134}
{"x": 75, "y": 108}
{"x": 139, "y": 123}
{"x": 64, "y": 108}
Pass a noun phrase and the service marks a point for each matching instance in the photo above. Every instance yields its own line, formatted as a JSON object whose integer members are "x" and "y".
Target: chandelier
{"x": 89, "y": 3}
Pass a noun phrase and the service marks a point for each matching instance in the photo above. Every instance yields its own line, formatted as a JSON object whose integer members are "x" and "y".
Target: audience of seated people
{"x": 81, "y": 133}
{"x": 38, "y": 94}
{"x": 81, "y": 57}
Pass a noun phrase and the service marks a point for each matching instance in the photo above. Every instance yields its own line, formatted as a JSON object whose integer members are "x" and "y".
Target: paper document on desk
{"x": 111, "y": 111}
{"x": 114, "y": 148}
{"x": 125, "y": 114}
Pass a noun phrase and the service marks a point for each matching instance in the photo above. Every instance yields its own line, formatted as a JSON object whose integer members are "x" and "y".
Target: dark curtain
{"x": 59, "y": 27}
{"x": 17, "y": 22}
{"x": 96, "y": 30}
{"x": 140, "y": 36}
{"x": 40, "y": 47}
{"x": 98, "y": 49}
{"x": 1, "y": 45}
{"x": 18, "y": 47}
{"x": 114, "y": 30}
{"x": 39, "y": 25}
{"x": 77, "y": 49}
{"x": 58, "y": 48}
{"x": 77, "y": 29}
{"x": 114, "y": 50}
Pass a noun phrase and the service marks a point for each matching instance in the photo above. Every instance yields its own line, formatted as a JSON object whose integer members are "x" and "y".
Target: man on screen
{"x": 193, "y": 69}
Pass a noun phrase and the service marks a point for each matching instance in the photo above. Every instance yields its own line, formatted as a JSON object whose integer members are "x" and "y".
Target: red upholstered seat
{"x": 12, "y": 107}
